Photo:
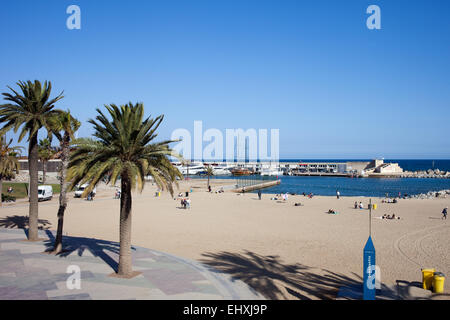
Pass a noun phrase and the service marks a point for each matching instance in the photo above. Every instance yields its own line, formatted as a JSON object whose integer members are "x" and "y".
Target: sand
{"x": 283, "y": 251}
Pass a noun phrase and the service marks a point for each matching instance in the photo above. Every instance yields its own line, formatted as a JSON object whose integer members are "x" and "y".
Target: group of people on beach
{"x": 185, "y": 203}
{"x": 220, "y": 190}
{"x": 281, "y": 196}
{"x": 310, "y": 195}
{"x": 360, "y": 205}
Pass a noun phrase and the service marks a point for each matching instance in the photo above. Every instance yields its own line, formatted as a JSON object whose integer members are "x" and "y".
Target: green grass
{"x": 20, "y": 189}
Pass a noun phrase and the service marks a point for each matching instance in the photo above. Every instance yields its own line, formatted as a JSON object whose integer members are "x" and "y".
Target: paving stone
{"x": 29, "y": 274}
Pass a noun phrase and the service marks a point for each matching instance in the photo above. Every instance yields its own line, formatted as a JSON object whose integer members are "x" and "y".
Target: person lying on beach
{"x": 388, "y": 217}
{"x": 332, "y": 211}
{"x": 298, "y": 204}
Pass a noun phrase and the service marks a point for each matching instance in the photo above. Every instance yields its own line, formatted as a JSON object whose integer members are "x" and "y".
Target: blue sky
{"x": 312, "y": 69}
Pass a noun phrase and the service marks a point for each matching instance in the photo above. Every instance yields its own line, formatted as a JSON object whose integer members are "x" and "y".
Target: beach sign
{"x": 369, "y": 267}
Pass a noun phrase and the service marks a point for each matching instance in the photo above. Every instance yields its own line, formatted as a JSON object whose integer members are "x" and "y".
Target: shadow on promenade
{"x": 22, "y": 222}
{"x": 108, "y": 251}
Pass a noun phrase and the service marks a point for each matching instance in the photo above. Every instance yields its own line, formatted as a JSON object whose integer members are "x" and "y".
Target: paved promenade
{"x": 28, "y": 273}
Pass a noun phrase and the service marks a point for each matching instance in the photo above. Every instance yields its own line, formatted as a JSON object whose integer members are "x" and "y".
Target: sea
{"x": 367, "y": 187}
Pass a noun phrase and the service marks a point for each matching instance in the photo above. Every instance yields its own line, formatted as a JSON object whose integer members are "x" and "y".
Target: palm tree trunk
{"x": 125, "y": 264}
{"x": 44, "y": 171}
{"x": 63, "y": 194}
{"x": 1, "y": 189}
{"x": 33, "y": 170}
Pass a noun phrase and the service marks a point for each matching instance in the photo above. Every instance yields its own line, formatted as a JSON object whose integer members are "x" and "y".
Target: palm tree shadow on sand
{"x": 269, "y": 276}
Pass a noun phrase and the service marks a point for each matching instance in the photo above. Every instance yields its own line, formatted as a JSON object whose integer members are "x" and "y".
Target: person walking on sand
{"x": 361, "y": 206}
{"x": 338, "y": 194}
{"x": 444, "y": 213}
{"x": 259, "y": 194}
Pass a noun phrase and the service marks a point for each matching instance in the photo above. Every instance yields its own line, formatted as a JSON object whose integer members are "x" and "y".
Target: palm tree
{"x": 209, "y": 172}
{"x": 45, "y": 153}
{"x": 63, "y": 127}
{"x": 9, "y": 162}
{"x": 31, "y": 111}
{"x": 123, "y": 148}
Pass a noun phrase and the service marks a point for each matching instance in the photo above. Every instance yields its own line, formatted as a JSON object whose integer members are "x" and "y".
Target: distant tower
{"x": 246, "y": 150}
{"x": 236, "y": 149}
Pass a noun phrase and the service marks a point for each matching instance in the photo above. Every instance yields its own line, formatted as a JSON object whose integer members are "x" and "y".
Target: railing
{"x": 246, "y": 181}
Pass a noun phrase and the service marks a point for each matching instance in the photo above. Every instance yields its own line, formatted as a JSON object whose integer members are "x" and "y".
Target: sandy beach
{"x": 281, "y": 250}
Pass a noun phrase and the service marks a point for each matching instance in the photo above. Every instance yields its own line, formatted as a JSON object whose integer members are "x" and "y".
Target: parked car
{"x": 80, "y": 189}
{"x": 45, "y": 193}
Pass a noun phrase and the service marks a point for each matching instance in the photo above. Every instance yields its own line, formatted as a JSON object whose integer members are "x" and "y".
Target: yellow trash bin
{"x": 438, "y": 282}
{"x": 427, "y": 278}
{"x": 374, "y": 206}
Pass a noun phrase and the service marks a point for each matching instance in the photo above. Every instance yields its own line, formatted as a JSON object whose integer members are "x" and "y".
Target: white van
{"x": 45, "y": 193}
{"x": 80, "y": 189}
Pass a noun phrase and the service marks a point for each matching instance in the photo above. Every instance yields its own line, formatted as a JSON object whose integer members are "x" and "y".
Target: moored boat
{"x": 241, "y": 172}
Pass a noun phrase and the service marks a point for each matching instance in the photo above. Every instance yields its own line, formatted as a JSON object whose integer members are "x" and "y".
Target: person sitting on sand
{"x": 188, "y": 203}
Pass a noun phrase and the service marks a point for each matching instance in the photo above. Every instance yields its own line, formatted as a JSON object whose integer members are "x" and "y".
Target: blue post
{"x": 369, "y": 289}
